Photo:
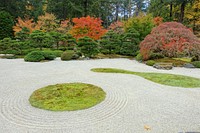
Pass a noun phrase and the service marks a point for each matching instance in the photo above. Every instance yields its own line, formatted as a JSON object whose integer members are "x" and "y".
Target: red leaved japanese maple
{"x": 87, "y": 26}
{"x": 170, "y": 39}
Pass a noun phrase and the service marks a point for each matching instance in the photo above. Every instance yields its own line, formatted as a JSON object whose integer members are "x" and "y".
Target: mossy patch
{"x": 161, "y": 78}
{"x": 67, "y": 97}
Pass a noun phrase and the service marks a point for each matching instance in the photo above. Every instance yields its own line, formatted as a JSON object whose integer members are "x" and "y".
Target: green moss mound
{"x": 67, "y": 97}
{"x": 161, "y": 78}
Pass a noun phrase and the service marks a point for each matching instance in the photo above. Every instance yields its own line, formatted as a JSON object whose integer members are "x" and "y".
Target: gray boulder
{"x": 188, "y": 65}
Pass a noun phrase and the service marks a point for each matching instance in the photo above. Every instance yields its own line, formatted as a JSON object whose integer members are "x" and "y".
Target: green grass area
{"x": 67, "y": 97}
{"x": 161, "y": 78}
{"x": 105, "y": 56}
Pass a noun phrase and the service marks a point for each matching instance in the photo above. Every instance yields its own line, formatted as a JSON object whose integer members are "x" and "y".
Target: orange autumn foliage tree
{"x": 64, "y": 26}
{"x": 48, "y": 22}
{"x": 87, "y": 26}
{"x": 117, "y": 27}
{"x": 158, "y": 20}
{"x": 28, "y": 23}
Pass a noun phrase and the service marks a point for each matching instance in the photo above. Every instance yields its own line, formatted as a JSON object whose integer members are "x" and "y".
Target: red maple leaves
{"x": 170, "y": 39}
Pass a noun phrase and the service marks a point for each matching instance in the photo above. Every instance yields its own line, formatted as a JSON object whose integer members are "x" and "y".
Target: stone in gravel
{"x": 165, "y": 66}
{"x": 188, "y": 65}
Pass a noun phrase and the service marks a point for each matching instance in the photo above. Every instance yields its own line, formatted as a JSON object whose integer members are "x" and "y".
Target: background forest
{"x": 88, "y": 27}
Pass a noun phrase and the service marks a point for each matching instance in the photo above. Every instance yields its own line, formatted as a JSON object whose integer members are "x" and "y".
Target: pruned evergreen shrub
{"x": 67, "y": 55}
{"x": 88, "y": 47}
{"x": 35, "y": 56}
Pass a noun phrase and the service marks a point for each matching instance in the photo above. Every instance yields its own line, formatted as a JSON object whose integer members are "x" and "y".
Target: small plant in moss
{"x": 67, "y": 97}
{"x": 196, "y": 64}
{"x": 150, "y": 62}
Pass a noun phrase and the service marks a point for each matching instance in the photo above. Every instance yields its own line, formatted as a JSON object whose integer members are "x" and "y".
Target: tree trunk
{"x": 171, "y": 10}
{"x": 182, "y": 11}
{"x": 139, "y": 8}
{"x": 129, "y": 9}
{"x": 124, "y": 13}
{"x": 117, "y": 12}
{"x": 85, "y": 8}
{"x": 64, "y": 10}
{"x": 57, "y": 45}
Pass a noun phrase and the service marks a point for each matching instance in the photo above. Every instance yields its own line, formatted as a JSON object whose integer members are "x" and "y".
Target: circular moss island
{"x": 67, "y": 97}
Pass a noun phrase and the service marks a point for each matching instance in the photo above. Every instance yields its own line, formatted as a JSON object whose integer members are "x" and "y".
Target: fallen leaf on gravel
{"x": 147, "y": 127}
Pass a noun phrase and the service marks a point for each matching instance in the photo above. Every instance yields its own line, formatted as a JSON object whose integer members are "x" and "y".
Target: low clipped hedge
{"x": 37, "y": 56}
{"x": 57, "y": 53}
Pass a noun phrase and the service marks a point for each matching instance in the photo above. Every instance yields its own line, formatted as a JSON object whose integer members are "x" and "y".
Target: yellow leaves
{"x": 47, "y": 16}
{"x": 64, "y": 27}
{"x": 146, "y": 127}
{"x": 193, "y": 12}
{"x": 28, "y": 23}
{"x": 47, "y": 22}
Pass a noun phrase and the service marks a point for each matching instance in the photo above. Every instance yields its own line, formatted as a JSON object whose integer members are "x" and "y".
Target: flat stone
{"x": 6, "y": 55}
{"x": 165, "y": 66}
{"x": 188, "y": 65}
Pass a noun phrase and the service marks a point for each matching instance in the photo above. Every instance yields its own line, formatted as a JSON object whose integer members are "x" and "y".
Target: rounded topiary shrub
{"x": 35, "y": 56}
{"x": 48, "y": 55}
{"x": 68, "y": 55}
{"x": 170, "y": 39}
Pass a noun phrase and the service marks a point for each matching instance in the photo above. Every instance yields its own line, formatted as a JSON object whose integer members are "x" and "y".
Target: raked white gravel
{"x": 131, "y": 104}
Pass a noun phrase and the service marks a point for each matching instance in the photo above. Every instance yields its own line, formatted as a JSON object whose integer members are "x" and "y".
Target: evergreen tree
{"x": 88, "y": 46}
{"x": 6, "y": 24}
{"x": 41, "y": 39}
{"x": 130, "y": 42}
{"x": 110, "y": 43}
